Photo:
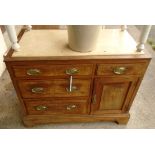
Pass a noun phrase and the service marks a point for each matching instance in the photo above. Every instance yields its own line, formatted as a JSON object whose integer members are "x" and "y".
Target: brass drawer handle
{"x": 41, "y": 108}
{"x": 71, "y": 106}
{"x": 119, "y": 70}
{"x": 33, "y": 72}
{"x": 72, "y": 71}
{"x": 37, "y": 90}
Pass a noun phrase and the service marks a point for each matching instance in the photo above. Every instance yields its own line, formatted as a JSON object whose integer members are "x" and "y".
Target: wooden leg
{"x": 28, "y": 124}
{"x": 122, "y": 120}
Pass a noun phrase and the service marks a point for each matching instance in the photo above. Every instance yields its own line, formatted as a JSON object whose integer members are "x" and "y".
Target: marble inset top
{"x": 40, "y": 43}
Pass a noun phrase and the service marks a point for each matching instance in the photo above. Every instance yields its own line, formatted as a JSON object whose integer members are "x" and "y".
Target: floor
{"x": 142, "y": 111}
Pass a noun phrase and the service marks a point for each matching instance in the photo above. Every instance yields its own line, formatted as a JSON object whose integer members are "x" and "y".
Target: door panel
{"x": 112, "y": 94}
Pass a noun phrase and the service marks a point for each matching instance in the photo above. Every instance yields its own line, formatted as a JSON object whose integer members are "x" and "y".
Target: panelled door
{"x": 112, "y": 94}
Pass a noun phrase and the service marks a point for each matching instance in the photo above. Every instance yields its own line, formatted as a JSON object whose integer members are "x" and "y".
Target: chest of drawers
{"x": 76, "y": 89}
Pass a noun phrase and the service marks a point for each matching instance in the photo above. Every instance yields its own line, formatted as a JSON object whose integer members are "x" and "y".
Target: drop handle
{"x": 72, "y": 71}
{"x": 119, "y": 70}
{"x": 71, "y": 87}
{"x": 71, "y": 107}
{"x": 33, "y": 72}
{"x": 41, "y": 108}
{"x": 37, "y": 90}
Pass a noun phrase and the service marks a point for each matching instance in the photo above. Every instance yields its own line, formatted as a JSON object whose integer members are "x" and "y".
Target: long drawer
{"x": 54, "y": 88}
{"x": 34, "y": 71}
{"x": 45, "y": 107}
{"x": 121, "y": 69}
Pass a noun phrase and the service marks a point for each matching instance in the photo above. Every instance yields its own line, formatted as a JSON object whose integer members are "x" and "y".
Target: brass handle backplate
{"x": 71, "y": 106}
{"x": 41, "y": 108}
{"x": 72, "y": 71}
{"x": 37, "y": 90}
{"x": 33, "y": 72}
{"x": 119, "y": 70}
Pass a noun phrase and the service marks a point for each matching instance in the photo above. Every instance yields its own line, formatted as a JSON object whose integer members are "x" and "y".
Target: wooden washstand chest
{"x": 56, "y": 84}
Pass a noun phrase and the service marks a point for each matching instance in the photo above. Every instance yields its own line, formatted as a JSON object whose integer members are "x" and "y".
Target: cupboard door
{"x": 112, "y": 95}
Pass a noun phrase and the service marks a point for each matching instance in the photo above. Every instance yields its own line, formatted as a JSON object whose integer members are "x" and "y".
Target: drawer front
{"x": 121, "y": 69}
{"x": 39, "y": 107}
{"x": 52, "y": 70}
{"x": 54, "y": 88}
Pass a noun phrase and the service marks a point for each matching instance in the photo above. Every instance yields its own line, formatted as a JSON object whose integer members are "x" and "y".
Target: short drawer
{"x": 39, "y": 107}
{"x": 52, "y": 70}
{"x": 54, "y": 88}
{"x": 121, "y": 69}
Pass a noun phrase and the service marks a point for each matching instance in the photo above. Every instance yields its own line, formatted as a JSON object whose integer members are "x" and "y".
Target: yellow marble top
{"x": 42, "y": 43}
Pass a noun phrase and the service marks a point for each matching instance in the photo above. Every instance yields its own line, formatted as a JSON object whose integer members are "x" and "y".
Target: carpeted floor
{"x": 142, "y": 111}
